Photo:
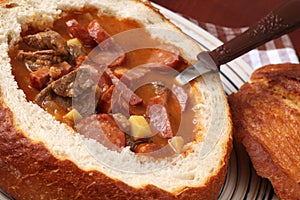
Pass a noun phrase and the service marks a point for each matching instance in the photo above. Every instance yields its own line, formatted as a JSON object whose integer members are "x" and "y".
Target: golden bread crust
{"x": 266, "y": 119}
{"x": 28, "y": 167}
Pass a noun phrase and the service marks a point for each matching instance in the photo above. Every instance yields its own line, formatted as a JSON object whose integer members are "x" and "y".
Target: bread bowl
{"x": 42, "y": 158}
{"x": 265, "y": 114}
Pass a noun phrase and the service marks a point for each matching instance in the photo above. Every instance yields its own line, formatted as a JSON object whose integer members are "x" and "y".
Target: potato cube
{"x": 73, "y": 115}
{"x": 139, "y": 127}
{"x": 74, "y": 42}
{"x": 177, "y": 143}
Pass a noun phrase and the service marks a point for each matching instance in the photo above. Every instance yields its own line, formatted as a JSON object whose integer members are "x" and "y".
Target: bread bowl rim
{"x": 229, "y": 129}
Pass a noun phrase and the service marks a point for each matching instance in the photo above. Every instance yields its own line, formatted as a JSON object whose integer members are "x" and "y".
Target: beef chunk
{"x": 39, "y": 59}
{"x": 86, "y": 77}
{"x": 65, "y": 85}
{"x": 50, "y": 47}
{"x": 51, "y": 102}
{"x": 104, "y": 129}
{"x": 80, "y": 85}
{"x": 47, "y": 40}
{"x": 74, "y": 83}
{"x": 41, "y": 78}
{"x": 68, "y": 93}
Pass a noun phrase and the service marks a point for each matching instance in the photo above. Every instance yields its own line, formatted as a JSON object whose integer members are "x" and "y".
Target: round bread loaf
{"x": 41, "y": 158}
{"x": 265, "y": 114}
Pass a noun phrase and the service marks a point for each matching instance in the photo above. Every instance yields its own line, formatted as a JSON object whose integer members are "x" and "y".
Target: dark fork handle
{"x": 280, "y": 21}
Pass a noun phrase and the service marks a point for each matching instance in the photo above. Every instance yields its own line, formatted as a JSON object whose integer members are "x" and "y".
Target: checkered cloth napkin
{"x": 274, "y": 52}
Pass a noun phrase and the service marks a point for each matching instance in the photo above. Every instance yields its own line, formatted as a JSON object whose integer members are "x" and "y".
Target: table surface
{"x": 230, "y": 13}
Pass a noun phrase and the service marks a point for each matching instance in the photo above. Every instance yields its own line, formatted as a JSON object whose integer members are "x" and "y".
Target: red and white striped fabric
{"x": 274, "y": 52}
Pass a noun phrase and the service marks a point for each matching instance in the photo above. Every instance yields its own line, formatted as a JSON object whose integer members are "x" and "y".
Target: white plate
{"x": 241, "y": 181}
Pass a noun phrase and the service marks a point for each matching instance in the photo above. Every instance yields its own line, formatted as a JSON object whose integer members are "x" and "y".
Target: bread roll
{"x": 41, "y": 158}
{"x": 266, "y": 119}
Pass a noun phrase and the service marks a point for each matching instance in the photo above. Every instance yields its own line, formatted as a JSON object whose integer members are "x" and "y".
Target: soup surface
{"x": 80, "y": 72}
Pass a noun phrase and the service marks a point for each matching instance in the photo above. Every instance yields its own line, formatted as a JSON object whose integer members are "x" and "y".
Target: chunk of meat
{"x": 108, "y": 53}
{"x": 59, "y": 70}
{"x": 104, "y": 82}
{"x": 74, "y": 83}
{"x": 104, "y": 129}
{"x": 97, "y": 32}
{"x": 115, "y": 96}
{"x": 85, "y": 102}
{"x": 52, "y": 103}
{"x": 47, "y": 40}
{"x": 65, "y": 85}
{"x": 105, "y": 88}
{"x": 107, "y": 104}
{"x": 133, "y": 76}
{"x": 39, "y": 59}
{"x": 124, "y": 91}
{"x": 61, "y": 91}
{"x": 81, "y": 87}
{"x": 78, "y": 31}
{"x": 40, "y": 78}
{"x": 122, "y": 122}
{"x": 157, "y": 115}
{"x": 181, "y": 95}
{"x": 104, "y": 104}
{"x": 165, "y": 54}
